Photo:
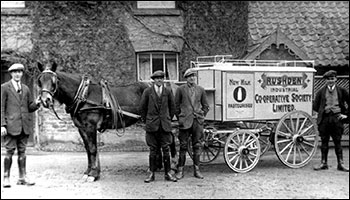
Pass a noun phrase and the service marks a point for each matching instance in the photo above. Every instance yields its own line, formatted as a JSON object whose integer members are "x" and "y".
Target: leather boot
{"x": 152, "y": 168}
{"x": 341, "y": 166}
{"x": 7, "y": 169}
{"x": 180, "y": 173}
{"x": 197, "y": 173}
{"x": 167, "y": 169}
{"x": 150, "y": 178}
{"x": 323, "y": 164}
{"x": 23, "y": 179}
{"x": 180, "y": 168}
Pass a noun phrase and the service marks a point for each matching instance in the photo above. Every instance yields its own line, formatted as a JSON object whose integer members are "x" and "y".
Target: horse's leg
{"x": 94, "y": 173}
{"x": 85, "y": 138}
{"x": 87, "y": 123}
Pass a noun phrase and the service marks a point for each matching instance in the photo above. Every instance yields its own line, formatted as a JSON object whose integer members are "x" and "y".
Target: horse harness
{"x": 81, "y": 97}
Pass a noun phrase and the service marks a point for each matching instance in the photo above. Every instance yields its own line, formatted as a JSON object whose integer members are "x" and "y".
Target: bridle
{"x": 55, "y": 81}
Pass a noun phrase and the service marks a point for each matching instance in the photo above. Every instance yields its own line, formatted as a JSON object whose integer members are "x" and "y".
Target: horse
{"x": 88, "y": 116}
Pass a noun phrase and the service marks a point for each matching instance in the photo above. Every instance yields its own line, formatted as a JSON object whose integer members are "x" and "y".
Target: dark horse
{"x": 90, "y": 116}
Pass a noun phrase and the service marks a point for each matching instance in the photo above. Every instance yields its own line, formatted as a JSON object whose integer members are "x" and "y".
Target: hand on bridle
{"x": 38, "y": 100}
{"x": 3, "y": 131}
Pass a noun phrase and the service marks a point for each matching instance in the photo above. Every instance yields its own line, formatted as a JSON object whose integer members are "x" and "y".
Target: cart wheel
{"x": 242, "y": 151}
{"x": 296, "y": 139}
{"x": 264, "y": 140}
{"x": 210, "y": 148}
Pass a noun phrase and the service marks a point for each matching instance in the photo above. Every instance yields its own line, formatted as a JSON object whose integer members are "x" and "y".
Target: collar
{"x": 156, "y": 87}
{"x": 331, "y": 88}
{"x": 14, "y": 83}
{"x": 191, "y": 86}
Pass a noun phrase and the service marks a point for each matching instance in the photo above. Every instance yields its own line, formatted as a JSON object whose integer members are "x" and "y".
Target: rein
{"x": 50, "y": 92}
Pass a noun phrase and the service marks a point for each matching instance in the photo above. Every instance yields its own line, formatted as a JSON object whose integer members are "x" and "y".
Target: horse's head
{"x": 48, "y": 83}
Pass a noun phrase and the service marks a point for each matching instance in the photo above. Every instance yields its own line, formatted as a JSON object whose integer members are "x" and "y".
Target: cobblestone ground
{"x": 57, "y": 175}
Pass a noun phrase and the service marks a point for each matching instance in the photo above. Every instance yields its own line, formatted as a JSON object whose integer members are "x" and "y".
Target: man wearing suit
{"x": 16, "y": 104}
{"x": 330, "y": 105}
{"x": 157, "y": 109}
{"x": 191, "y": 108}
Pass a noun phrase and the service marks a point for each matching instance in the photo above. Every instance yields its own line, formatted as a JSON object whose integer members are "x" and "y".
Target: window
{"x": 12, "y": 4}
{"x": 155, "y": 4}
{"x": 149, "y": 62}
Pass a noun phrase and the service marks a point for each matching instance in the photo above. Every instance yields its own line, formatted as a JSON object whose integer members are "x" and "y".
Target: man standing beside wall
{"x": 16, "y": 104}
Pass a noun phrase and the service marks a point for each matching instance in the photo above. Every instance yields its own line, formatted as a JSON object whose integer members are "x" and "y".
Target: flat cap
{"x": 330, "y": 73}
{"x": 189, "y": 72}
{"x": 158, "y": 73}
{"x": 16, "y": 66}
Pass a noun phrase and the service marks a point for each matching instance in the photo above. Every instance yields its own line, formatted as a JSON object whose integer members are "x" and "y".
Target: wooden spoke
{"x": 247, "y": 151}
{"x": 302, "y": 145}
{"x": 286, "y": 147}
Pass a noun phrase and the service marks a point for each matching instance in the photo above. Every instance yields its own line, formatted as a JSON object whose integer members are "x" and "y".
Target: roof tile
{"x": 319, "y": 28}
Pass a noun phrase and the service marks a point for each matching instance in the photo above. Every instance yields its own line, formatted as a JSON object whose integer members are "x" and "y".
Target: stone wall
{"x": 16, "y": 30}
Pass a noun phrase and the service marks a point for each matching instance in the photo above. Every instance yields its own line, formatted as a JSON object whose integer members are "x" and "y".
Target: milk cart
{"x": 256, "y": 103}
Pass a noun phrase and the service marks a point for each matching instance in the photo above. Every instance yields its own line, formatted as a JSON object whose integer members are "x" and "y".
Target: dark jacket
{"x": 320, "y": 101}
{"x": 185, "y": 111}
{"x": 154, "y": 114}
{"x": 15, "y": 110}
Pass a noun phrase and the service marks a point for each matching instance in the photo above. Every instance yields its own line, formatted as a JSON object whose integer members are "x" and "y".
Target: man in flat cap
{"x": 16, "y": 104}
{"x": 191, "y": 108}
{"x": 330, "y": 105}
{"x": 157, "y": 109}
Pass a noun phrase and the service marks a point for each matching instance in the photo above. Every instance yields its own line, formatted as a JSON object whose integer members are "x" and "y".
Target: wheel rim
{"x": 296, "y": 139}
{"x": 264, "y": 140}
{"x": 242, "y": 151}
{"x": 210, "y": 149}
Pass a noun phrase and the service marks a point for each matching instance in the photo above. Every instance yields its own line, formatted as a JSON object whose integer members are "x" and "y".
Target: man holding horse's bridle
{"x": 16, "y": 104}
{"x": 157, "y": 109}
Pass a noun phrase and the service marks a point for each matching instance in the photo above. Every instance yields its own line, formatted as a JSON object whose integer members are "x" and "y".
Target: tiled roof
{"x": 318, "y": 28}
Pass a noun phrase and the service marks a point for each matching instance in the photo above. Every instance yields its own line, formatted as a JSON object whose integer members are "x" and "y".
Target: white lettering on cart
{"x": 282, "y": 108}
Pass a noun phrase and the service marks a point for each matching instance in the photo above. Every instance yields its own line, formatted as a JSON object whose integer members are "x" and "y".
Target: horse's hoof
{"x": 84, "y": 178}
{"x": 90, "y": 179}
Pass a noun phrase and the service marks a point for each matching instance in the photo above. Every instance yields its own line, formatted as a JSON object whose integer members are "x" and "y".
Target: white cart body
{"x": 239, "y": 90}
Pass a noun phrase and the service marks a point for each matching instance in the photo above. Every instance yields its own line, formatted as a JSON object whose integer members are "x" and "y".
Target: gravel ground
{"x": 57, "y": 175}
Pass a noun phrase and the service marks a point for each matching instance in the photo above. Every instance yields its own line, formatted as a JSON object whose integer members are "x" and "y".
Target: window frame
{"x": 150, "y": 53}
{"x": 156, "y": 7}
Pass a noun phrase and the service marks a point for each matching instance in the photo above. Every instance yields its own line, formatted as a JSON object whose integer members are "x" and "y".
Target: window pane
{"x": 144, "y": 66}
{"x": 150, "y": 62}
{"x": 157, "y": 62}
{"x": 156, "y": 4}
{"x": 170, "y": 67}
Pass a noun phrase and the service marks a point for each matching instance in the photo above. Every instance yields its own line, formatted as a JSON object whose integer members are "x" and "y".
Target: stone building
{"x": 125, "y": 41}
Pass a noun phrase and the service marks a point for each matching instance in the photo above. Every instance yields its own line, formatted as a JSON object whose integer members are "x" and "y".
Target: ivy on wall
{"x": 213, "y": 28}
{"x": 89, "y": 36}
{"x": 84, "y": 37}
